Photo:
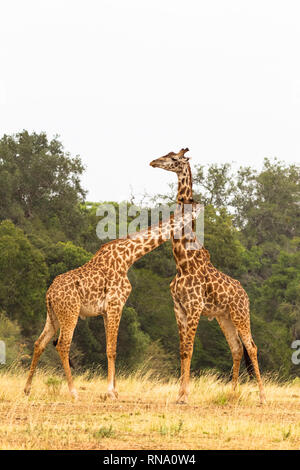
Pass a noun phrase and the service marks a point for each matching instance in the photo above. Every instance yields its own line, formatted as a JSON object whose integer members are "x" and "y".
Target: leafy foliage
{"x": 38, "y": 179}
{"x": 252, "y": 222}
{"x": 23, "y": 276}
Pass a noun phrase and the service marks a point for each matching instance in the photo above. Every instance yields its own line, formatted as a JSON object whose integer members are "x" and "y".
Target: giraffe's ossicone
{"x": 200, "y": 289}
{"x": 99, "y": 287}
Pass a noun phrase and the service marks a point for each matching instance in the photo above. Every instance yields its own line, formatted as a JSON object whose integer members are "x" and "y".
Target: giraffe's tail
{"x": 248, "y": 363}
{"x": 51, "y": 314}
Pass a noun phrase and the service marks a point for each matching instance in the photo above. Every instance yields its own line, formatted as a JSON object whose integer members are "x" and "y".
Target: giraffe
{"x": 200, "y": 289}
{"x": 99, "y": 287}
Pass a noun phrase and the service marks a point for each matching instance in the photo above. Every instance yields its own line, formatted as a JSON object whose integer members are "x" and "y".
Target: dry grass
{"x": 146, "y": 415}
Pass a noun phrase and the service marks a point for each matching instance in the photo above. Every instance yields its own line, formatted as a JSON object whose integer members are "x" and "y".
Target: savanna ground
{"x": 146, "y": 415}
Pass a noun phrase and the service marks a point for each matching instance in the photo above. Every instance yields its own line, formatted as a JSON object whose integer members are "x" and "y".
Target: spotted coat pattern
{"x": 200, "y": 289}
{"x": 99, "y": 287}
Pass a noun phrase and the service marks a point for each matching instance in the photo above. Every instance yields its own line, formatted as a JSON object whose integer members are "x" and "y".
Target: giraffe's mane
{"x": 125, "y": 239}
{"x": 206, "y": 253}
{"x": 190, "y": 173}
{"x": 112, "y": 242}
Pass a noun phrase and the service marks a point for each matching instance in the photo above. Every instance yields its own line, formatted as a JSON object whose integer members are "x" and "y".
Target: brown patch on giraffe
{"x": 221, "y": 291}
{"x": 99, "y": 287}
{"x": 209, "y": 287}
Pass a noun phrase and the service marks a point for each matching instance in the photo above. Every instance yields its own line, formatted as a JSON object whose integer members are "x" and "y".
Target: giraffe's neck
{"x": 147, "y": 241}
{"x": 141, "y": 243}
{"x": 184, "y": 257}
{"x": 185, "y": 186}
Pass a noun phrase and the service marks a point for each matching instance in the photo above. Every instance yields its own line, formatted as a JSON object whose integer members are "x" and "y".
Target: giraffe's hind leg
{"x": 244, "y": 331}
{"x": 231, "y": 335}
{"x": 49, "y": 330}
{"x": 64, "y": 343}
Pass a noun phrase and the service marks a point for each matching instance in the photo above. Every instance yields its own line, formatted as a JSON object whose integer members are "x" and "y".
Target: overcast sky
{"x": 126, "y": 81}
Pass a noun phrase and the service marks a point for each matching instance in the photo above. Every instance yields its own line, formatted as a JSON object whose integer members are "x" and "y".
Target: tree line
{"x": 47, "y": 227}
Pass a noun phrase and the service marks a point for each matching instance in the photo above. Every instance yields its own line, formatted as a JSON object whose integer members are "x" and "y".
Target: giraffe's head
{"x": 172, "y": 161}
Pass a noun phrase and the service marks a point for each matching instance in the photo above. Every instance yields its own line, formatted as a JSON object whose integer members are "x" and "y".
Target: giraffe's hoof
{"x": 27, "y": 390}
{"x": 263, "y": 400}
{"x": 74, "y": 394}
{"x": 182, "y": 399}
{"x": 112, "y": 394}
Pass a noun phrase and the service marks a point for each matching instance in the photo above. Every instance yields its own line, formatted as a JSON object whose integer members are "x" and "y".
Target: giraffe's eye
{"x": 173, "y": 159}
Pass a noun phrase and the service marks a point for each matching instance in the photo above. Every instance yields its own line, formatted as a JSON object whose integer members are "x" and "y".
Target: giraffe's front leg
{"x": 187, "y": 321}
{"x": 111, "y": 322}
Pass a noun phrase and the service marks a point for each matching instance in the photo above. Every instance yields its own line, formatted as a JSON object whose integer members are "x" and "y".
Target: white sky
{"x": 126, "y": 81}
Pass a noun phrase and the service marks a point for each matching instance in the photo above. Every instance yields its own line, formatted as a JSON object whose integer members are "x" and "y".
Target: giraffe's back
{"x": 80, "y": 289}
{"x": 219, "y": 293}
{"x": 87, "y": 288}
{"x": 223, "y": 294}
